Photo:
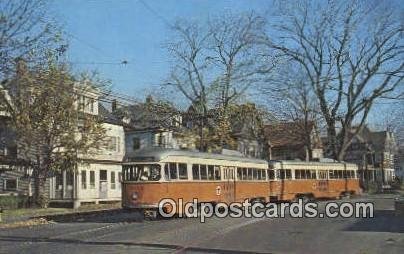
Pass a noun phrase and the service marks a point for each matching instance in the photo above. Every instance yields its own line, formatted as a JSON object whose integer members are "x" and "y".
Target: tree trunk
{"x": 40, "y": 198}
{"x": 332, "y": 139}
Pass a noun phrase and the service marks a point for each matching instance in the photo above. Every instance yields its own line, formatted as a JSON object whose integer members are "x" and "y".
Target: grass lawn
{"x": 32, "y": 212}
{"x": 37, "y": 212}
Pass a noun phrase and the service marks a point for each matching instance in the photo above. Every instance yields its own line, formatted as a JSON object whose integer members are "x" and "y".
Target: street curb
{"x": 72, "y": 215}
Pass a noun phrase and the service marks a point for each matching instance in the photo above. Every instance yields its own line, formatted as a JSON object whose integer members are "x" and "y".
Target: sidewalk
{"x": 34, "y": 216}
{"x": 386, "y": 195}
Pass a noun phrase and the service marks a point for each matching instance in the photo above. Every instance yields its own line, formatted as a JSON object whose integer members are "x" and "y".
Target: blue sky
{"x": 106, "y": 32}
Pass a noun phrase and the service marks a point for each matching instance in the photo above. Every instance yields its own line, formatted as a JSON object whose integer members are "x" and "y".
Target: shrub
{"x": 14, "y": 202}
{"x": 374, "y": 188}
{"x": 43, "y": 201}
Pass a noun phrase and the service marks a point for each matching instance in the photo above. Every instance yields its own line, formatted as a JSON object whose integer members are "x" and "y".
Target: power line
{"x": 124, "y": 62}
{"x": 150, "y": 9}
{"x": 93, "y": 47}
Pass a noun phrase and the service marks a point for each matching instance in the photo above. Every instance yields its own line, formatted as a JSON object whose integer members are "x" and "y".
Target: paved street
{"x": 122, "y": 233}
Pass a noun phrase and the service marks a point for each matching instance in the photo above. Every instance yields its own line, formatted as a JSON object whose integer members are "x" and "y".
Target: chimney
{"x": 21, "y": 66}
{"x": 113, "y": 105}
{"x": 149, "y": 99}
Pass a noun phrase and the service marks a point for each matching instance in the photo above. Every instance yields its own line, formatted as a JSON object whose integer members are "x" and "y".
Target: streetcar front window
{"x": 142, "y": 172}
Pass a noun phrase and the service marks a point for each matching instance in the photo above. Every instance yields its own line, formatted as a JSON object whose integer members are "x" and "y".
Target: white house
{"x": 97, "y": 178}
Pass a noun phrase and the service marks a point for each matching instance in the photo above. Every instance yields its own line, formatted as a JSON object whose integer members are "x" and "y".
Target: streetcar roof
{"x": 158, "y": 154}
{"x": 317, "y": 163}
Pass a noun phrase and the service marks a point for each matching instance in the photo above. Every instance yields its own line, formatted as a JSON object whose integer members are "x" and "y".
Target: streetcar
{"x": 291, "y": 180}
{"x": 150, "y": 175}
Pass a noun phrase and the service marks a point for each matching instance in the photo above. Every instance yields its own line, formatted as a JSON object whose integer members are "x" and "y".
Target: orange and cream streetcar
{"x": 151, "y": 175}
{"x": 289, "y": 180}
{"x": 154, "y": 174}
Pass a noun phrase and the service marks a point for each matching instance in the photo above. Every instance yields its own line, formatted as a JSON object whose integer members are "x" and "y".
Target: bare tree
{"x": 24, "y": 33}
{"x": 352, "y": 54}
{"x": 237, "y": 53}
{"x": 189, "y": 75}
{"x": 291, "y": 98}
{"x": 216, "y": 62}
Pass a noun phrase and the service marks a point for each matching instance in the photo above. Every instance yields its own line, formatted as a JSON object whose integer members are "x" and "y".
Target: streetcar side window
{"x": 305, "y": 174}
{"x": 211, "y": 172}
{"x": 313, "y": 174}
{"x": 250, "y": 174}
{"x": 271, "y": 174}
{"x": 298, "y": 174}
{"x": 131, "y": 174}
{"x": 336, "y": 174}
{"x": 322, "y": 174}
{"x": 255, "y": 174}
{"x": 244, "y": 174}
{"x": 217, "y": 172}
{"x": 173, "y": 171}
{"x": 143, "y": 172}
{"x": 285, "y": 174}
{"x": 195, "y": 172}
{"x": 203, "y": 172}
{"x": 288, "y": 173}
{"x": 166, "y": 172}
{"x": 182, "y": 171}
{"x": 232, "y": 173}
{"x": 239, "y": 174}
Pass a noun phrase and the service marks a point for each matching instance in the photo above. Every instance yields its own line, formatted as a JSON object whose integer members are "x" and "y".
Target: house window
{"x": 136, "y": 143}
{"x": 81, "y": 103}
{"x": 103, "y": 175}
{"x": 10, "y": 184}
{"x": 84, "y": 179}
{"x": 91, "y": 105}
{"x": 113, "y": 183}
{"x": 119, "y": 179}
{"x": 92, "y": 180}
{"x": 112, "y": 143}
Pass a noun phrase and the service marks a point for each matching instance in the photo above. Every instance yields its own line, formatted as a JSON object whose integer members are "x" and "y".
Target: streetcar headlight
{"x": 134, "y": 195}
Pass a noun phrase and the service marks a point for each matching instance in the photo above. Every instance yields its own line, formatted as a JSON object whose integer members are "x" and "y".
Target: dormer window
{"x": 91, "y": 105}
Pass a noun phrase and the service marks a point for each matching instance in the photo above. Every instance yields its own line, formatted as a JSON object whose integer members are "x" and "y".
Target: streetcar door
{"x": 229, "y": 184}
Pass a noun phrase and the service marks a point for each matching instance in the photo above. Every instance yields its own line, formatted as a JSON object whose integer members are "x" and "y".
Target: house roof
{"x": 378, "y": 140}
{"x": 149, "y": 115}
{"x": 107, "y": 115}
{"x": 289, "y": 134}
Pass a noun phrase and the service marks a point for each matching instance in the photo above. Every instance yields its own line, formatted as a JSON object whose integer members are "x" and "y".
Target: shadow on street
{"x": 383, "y": 221}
